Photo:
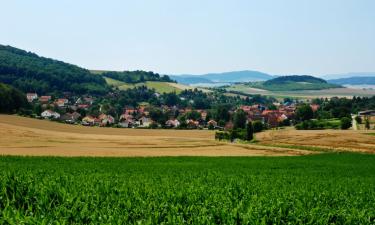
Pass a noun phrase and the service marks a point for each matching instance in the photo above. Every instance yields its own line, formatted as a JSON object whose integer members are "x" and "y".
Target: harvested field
{"x": 336, "y": 140}
{"x": 26, "y": 136}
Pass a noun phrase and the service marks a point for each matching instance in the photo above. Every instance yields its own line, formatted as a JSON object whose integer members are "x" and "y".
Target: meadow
{"x": 316, "y": 189}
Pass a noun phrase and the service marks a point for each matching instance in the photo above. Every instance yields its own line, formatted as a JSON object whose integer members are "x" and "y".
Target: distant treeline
{"x": 137, "y": 76}
{"x": 32, "y": 73}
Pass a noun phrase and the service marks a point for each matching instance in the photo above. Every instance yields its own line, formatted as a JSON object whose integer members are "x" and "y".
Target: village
{"x": 139, "y": 117}
{"x": 75, "y": 110}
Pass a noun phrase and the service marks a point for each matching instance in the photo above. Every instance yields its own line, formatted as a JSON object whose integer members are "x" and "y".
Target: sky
{"x": 315, "y": 37}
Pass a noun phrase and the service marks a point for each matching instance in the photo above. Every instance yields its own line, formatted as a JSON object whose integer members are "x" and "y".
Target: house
{"x": 129, "y": 110}
{"x": 48, "y": 114}
{"x": 45, "y": 99}
{"x": 127, "y": 120}
{"x": 83, "y": 106}
{"x": 144, "y": 121}
{"x": 88, "y": 121}
{"x": 367, "y": 113}
{"x": 88, "y": 100}
{"x": 106, "y": 120}
{"x": 172, "y": 123}
{"x": 31, "y": 97}
{"x": 61, "y": 102}
{"x": 212, "y": 123}
{"x": 192, "y": 124}
{"x": 315, "y": 107}
{"x": 70, "y": 117}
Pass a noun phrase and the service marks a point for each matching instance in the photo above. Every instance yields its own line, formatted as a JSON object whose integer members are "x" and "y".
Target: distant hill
{"x": 226, "y": 77}
{"x": 32, "y": 73}
{"x": 348, "y": 75}
{"x": 354, "y": 81}
{"x": 294, "y": 83}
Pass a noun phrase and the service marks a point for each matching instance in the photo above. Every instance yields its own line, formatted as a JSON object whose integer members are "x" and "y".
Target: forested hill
{"x": 295, "y": 78}
{"x": 294, "y": 83}
{"x": 32, "y": 73}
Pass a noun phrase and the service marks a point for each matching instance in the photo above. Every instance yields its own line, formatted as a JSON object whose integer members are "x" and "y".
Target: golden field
{"x": 26, "y": 136}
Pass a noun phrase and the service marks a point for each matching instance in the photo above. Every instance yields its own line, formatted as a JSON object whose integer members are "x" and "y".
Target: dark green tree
{"x": 258, "y": 126}
{"x": 346, "y": 123}
{"x": 304, "y": 112}
{"x": 239, "y": 119}
{"x": 249, "y": 131}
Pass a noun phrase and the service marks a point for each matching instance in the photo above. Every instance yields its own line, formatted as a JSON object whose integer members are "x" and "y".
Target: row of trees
{"x": 137, "y": 76}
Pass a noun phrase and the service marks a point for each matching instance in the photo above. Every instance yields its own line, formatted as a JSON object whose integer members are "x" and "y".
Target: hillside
{"x": 31, "y": 73}
{"x": 159, "y": 86}
{"x": 226, "y": 77}
{"x": 11, "y": 99}
{"x": 293, "y": 83}
{"x": 354, "y": 81}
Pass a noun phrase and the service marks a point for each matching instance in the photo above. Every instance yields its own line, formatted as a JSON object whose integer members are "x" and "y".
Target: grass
{"x": 160, "y": 87}
{"x": 318, "y": 189}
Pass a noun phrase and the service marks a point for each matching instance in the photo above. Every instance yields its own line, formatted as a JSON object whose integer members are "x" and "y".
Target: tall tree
{"x": 249, "y": 131}
{"x": 239, "y": 119}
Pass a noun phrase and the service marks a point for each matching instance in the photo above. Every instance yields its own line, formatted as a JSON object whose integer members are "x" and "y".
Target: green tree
{"x": 346, "y": 123}
{"x": 249, "y": 131}
{"x": 304, "y": 112}
{"x": 239, "y": 119}
{"x": 258, "y": 126}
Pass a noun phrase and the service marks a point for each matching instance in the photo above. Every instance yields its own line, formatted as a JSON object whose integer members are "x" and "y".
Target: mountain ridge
{"x": 224, "y": 77}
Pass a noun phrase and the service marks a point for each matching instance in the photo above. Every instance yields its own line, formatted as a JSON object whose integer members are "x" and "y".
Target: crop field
{"x": 26, "y": 136}
{"x": 316, "y": 189}
{"x": 305, "y": 94}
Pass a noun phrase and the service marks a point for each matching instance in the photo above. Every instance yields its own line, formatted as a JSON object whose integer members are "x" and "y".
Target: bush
{"x": 346, "y": 123}
{"x": 258, "y": 126}
{"x": 318, "y": 125}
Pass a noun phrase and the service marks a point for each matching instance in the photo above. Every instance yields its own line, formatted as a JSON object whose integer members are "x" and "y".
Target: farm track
{"x": 25, "y": 136}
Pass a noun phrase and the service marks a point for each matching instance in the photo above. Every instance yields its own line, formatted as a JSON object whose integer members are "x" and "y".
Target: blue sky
{"x": 174, "y": 37}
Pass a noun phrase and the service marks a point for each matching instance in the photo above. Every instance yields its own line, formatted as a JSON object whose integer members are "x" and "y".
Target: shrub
{"x": 346, "y": 123}
{"x": 258, "y": 126}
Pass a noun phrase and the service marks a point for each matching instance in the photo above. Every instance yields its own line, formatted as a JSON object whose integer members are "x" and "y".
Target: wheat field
{"x": 26, "y": 136}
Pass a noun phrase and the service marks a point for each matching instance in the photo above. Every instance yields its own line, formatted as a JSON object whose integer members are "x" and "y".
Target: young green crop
{"x": 319, "y": 189}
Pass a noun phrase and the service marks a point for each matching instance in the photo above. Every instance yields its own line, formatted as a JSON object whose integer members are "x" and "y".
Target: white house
{"x": 144, "y": 121}
{"x": 47, "y": 114}
{"x": 31, "y": 96}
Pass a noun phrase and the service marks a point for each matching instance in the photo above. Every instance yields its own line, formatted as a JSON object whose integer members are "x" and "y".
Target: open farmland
{"x": 305, "y": 94}
{"x": 315, "y": 189}
{"x": 26, "y": 136}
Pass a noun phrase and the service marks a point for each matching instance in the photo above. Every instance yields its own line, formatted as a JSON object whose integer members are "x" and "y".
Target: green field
{"x": 160, "y": 87}
{"x": 319, "y": 189}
